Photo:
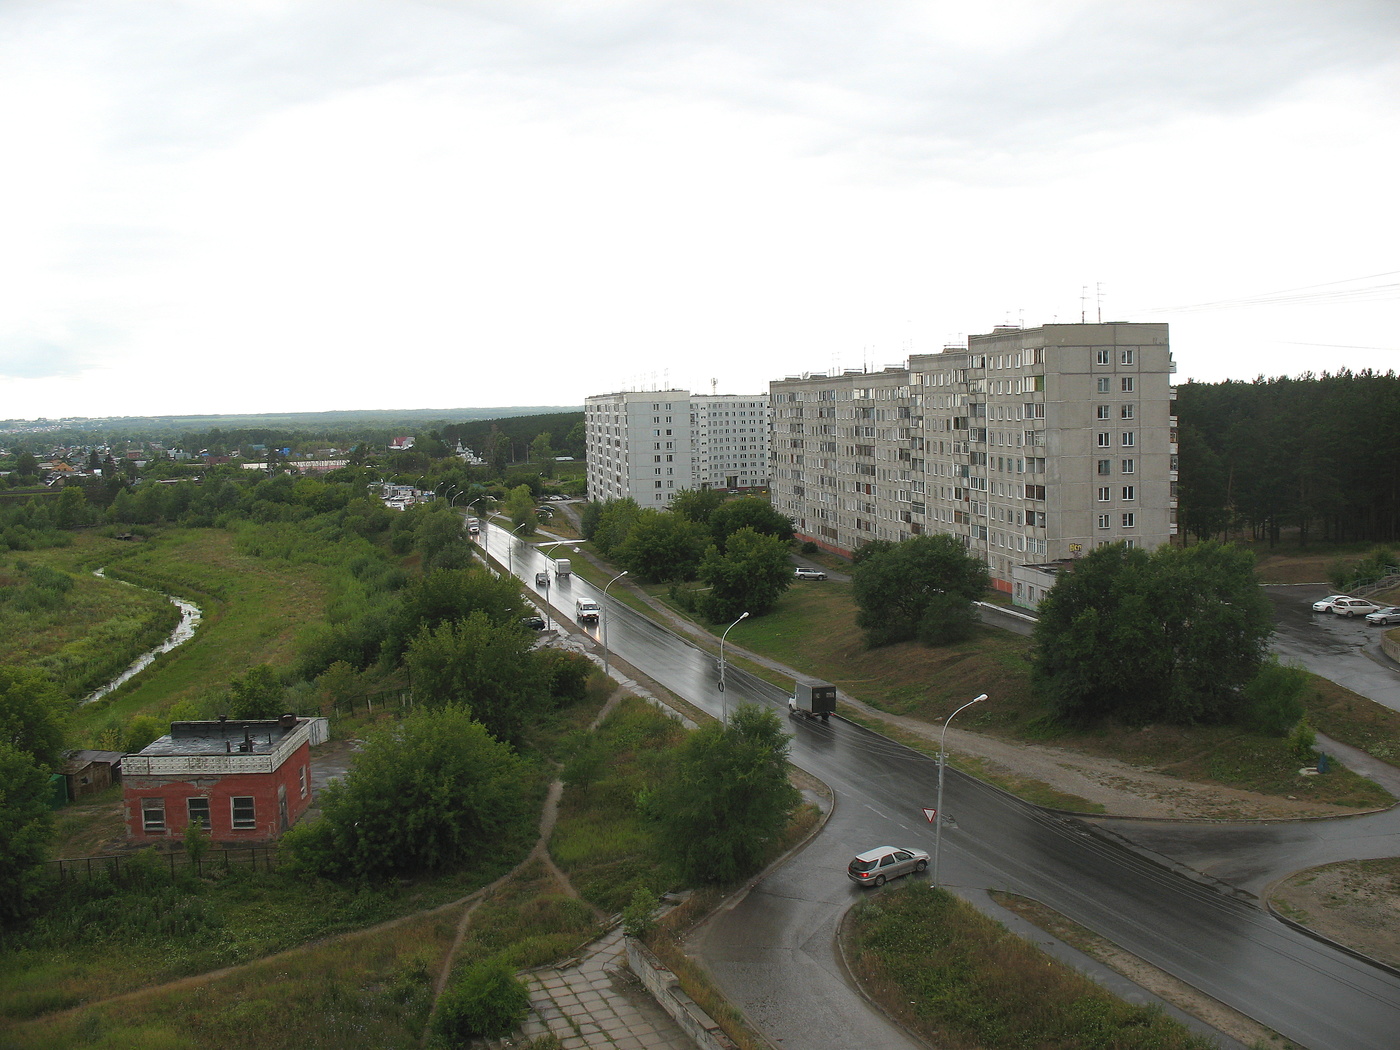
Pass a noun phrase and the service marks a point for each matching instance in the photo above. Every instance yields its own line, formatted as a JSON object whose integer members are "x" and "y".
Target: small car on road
{"x": 1325, "y": 604}
{"x": 1354, "y": 607}
{"x": 877, "y": 866}
{"x": 1387, "y": 615}
{"x": 804, "y": 573}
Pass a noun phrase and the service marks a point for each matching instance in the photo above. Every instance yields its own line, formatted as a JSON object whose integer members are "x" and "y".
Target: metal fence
{"x": 254, "y": 858}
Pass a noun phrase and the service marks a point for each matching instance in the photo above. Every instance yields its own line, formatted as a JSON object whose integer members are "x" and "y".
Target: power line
{"x": 1308, "y": 294}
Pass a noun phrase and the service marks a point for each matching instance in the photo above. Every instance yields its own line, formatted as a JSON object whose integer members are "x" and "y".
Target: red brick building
{"x": 246, "y": 781}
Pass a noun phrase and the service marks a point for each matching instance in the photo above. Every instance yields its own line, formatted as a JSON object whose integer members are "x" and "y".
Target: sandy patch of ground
{"x": 1355, "y": 903}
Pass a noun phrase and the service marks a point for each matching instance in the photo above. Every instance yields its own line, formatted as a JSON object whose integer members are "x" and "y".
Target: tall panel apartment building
{"x": 1032, "y": 445}
{"x": 650, "y": 444}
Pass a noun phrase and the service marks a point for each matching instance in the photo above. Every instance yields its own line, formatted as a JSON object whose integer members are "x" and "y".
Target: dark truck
{"x": 812, "y": 698}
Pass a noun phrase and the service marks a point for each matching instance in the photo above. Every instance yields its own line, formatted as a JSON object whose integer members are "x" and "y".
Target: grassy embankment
{"x": 961, "y": 980}
{"x": 83, "y": 636}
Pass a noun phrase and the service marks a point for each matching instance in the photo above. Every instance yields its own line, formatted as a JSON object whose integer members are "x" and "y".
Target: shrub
{"x": 639, "y": 917}
{"x": 1274, "y": 699}
{"x": 486, "y": 1002}
{"x": 1302, "y": 740}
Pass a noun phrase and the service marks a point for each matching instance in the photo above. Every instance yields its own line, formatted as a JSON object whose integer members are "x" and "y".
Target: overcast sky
{"x": 255, "y": 205}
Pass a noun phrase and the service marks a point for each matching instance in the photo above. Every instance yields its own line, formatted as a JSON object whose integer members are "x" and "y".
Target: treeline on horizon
{"x": 316, "y": 430}
{"x": 1318, "y": 456}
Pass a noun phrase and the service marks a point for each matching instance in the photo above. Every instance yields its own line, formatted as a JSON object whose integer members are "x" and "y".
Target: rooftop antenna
{"x": 1098, "y": 293}
{"x": 1083, "y": 301}
{"x": 714, "y": 387}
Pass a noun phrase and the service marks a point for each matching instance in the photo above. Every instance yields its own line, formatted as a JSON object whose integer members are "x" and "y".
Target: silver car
{"x": 1388, "y": 615}
{"x": 877, "y": 866}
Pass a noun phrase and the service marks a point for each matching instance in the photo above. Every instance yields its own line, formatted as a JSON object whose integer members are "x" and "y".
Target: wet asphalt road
{"x": 773, "y": 950}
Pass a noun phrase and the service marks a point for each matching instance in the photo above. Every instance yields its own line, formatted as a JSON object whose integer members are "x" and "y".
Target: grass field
{"x": 84, "y": 636}
{"x": 252, "y": 612}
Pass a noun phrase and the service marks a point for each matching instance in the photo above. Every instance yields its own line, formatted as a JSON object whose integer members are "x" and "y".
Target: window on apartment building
{"x": 1103, "y": 439}
{"x": 1130, "y": 492}
{"x": 658, "y": 482}
{"x": 1103, "y": 356}
{"x": 1105, "y": 412}
{"x": 1126, "y": 384}
{"x": 1127, "y": 412}
{"x": 1102, "y": 385}
{"x": 153, "y": 814}
{"x": 244, "y": 812}
{"x": 198, "y": 810}
{"x": 1105, "y": 466}
{"x": 1126, "y": 357}
{"x": 1103, "y": 521}
{"x": 1129, "y": 520}
{"x": 1105, "y": 494}
{"x": 1129, "y": 438}
{"x": 1129, "y": 466}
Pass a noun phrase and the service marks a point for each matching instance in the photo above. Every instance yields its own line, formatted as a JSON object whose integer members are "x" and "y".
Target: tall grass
{"x": 963, "y": 982}
{"x": 366, "y": 991}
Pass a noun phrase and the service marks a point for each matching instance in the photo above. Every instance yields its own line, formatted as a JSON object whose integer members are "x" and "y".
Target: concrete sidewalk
{"x": 594, "y": 1001}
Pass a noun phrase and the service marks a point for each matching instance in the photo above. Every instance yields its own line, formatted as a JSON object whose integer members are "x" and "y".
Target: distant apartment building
{"x": 1031, "y": 445}
{"x": 649, "y": 445}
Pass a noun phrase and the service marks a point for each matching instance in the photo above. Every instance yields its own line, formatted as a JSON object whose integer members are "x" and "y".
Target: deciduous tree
{"x": 487, "y": 667}
{"x": 33, "y": 715}
{"x": 1171, "y": 636}
{"x": 726, "y": 797}
{"x": 428, "y": 793}
{"x": 25, "y": 825}
{"x": 749, "y": 575}
{"x": 919, "y": 588}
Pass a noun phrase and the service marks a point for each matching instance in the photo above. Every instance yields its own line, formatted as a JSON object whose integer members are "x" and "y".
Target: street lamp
{"x": 942, "y": 760}
{"x": 510, "y": 548}
{"x": 603, "y": 612}
{"x": 723, "y": 697}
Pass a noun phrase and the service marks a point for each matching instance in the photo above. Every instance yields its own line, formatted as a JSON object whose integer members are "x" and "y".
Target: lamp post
{"x": 724, "y": 698}
{"x": 942, "y": 760}
{"x": 604, "y": 613}
{"x": 510, "y": 548}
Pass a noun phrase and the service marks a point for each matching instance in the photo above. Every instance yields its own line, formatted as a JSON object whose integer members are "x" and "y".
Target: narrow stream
{"x": 183, "y": 632}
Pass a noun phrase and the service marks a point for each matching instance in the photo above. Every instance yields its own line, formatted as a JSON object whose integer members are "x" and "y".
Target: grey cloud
{"x": 877, "y": 79}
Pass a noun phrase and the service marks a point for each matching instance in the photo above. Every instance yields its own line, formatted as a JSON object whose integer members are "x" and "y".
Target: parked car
{"x": 877, "y": 866}
{"x": 534, "y": 623}
{"x": 1387, "y": 615}
{"x": 804, "y": 573}
{"x": 1325, "y": 604}
{"x": 1354, "y": 607}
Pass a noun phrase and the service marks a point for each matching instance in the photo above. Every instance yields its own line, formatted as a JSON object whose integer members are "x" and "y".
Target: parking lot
{"x": 1347, "y": 651}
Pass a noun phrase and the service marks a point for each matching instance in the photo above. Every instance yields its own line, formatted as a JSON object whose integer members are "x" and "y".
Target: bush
{"x": 639, "y": 917}
{"x": 809, "y": 548}
{"x": 1274, "y": 699}
{"x": 1302, "y": 740}
{"x": 486, "y": 1002}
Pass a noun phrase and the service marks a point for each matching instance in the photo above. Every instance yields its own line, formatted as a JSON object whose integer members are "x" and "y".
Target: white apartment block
{"x": 1031, "y": 445}
{"x": 650, "y": 444}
